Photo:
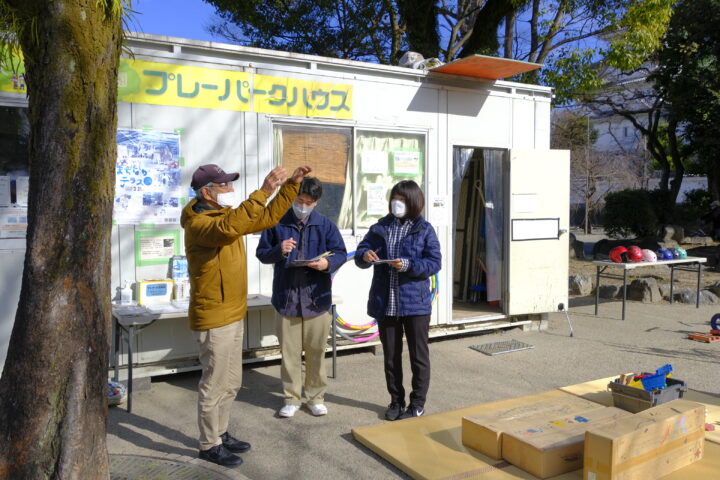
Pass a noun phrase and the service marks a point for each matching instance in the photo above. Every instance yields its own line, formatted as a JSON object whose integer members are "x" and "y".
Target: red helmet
{"x": 635, "y": 254}
{"x": 618, "y": 254}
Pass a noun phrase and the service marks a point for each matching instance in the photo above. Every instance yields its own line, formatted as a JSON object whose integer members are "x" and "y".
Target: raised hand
{"x": 300, "y": 173}
{"x": 274, "y": 179}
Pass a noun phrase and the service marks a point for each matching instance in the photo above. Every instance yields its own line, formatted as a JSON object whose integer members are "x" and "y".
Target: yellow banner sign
{"x": 154, "y": 83}
{"x": 196, "y": 87}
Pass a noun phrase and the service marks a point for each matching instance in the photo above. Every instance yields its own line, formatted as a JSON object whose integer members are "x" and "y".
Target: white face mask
{"x": 226, "y": 199}
{"x": 398, "y": 208}
{"x": 301, "y": 211}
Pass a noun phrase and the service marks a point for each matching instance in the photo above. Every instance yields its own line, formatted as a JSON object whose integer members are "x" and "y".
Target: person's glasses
{"x": 221, "y": 185}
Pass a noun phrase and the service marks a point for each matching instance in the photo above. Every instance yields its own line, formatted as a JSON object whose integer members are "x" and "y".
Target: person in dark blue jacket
{"x": 400, "y": 292}
{"x": 302, "y": 294}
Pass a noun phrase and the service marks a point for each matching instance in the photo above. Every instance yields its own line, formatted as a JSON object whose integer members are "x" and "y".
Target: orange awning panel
{"x": 490, "y": 68}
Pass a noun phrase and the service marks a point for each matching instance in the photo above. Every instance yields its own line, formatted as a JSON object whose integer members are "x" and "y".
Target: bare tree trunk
{"x": 421, "y": 26}
{"x": 510, "y": 20}
{"x": 587, "y": 228}
{"x": 676, "y": 182}
{"x": 53, "y": 390}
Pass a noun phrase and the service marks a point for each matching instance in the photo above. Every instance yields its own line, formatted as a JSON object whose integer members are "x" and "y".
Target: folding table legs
{"x": 624, "y": 291}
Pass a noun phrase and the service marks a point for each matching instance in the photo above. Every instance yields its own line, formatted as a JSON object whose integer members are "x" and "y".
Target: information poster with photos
{"x": 147, "y": 178}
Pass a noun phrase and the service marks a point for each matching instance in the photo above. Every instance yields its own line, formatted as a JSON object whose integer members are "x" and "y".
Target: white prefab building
{"x": 496, "y": 194}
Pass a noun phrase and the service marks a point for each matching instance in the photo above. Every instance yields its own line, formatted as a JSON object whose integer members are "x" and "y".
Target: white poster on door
{"x": 376, "y": 201}
{"x": 439, "y": 211}
{"x": 374, "y": 161}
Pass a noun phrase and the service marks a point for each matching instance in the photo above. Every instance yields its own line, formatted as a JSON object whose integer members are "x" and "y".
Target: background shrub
{"x": 631, "y": 213}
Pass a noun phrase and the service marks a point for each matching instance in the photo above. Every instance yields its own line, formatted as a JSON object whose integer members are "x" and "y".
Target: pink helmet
{"x": 649, "y": 255}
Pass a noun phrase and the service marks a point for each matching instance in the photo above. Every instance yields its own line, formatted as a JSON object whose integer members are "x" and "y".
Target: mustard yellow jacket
{"x": 215, "y": 252}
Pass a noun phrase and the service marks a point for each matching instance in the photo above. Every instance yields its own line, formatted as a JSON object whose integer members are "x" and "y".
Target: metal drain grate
{"x": 501, "y": 347}
{"x": 136, "y": 467}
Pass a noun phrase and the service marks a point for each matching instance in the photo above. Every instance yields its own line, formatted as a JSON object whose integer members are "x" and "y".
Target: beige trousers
{"x": 221, "y": 359}
{"x": 308, "y": 334}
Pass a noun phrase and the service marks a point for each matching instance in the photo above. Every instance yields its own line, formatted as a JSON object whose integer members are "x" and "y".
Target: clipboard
{"x": 378, "y": 262}
{"x": 305, "y": 262}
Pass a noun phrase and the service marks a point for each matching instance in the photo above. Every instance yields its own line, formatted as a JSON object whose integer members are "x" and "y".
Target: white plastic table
{"x": 130, "y": 320}
{"x": 690, "y": 264}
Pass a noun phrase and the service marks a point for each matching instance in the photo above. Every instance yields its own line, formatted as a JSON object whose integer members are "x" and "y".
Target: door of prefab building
{"x": 537, "y": 231}
{"x": 478, "y": 233}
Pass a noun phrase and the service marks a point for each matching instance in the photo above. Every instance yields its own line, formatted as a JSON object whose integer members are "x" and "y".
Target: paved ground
{"x": 163, "y": 418}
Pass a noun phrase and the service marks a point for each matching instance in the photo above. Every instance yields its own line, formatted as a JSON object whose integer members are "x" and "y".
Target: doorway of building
{"x": 478, "y": 233}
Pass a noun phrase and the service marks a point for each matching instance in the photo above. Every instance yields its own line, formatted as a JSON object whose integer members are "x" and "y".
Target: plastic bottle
{"x": 126, "y": 294}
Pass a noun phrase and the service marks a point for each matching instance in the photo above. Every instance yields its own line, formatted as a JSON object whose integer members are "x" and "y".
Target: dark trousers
{"x": 416, "y": 329}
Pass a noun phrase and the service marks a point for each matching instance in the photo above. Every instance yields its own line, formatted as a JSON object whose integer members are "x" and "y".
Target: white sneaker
{"x": 288, "y": 411}
{"x": 317, "y": 409}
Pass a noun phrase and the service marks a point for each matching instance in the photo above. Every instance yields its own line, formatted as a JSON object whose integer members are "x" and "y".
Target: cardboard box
{"x": 484, "y": 432}
{"x": 549, "y": 445}
{"x": 649, "y": 444}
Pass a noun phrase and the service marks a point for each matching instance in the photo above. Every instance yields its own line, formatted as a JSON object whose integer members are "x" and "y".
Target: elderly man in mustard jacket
{"x": 215, "y": 251}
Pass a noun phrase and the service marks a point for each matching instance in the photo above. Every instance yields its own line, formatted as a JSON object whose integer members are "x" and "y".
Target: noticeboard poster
{"x": 406, "y": 162}
{"x": 156, "y": 247}
{"x": 13, "y": 205}
{"x": 147, "y": 178}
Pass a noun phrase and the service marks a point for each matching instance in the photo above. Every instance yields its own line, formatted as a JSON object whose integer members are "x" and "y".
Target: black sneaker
{"x": 412, "y": 411}
{"x": 221, "y": 456}
{"x": 233, "y": 444}
{"x": 394, "y": 411}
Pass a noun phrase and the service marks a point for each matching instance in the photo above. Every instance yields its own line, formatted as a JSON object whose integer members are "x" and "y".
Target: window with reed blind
{"x": 327, "y": 151}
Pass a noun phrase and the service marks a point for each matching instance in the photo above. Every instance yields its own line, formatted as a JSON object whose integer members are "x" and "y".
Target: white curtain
{"x": 461, "y": 160}
{"x": 493, "y": 162}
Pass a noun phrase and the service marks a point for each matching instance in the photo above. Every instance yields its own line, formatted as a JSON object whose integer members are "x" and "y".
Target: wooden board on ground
{"x": 430, "y": 447}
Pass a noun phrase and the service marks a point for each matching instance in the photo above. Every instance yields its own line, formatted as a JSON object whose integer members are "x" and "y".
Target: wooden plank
{"x": 489, "y": 68}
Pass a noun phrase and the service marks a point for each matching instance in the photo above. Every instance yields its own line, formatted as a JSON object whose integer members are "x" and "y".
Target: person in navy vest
{"x": 400, "y": 292}
{"x": 302, "y": 294}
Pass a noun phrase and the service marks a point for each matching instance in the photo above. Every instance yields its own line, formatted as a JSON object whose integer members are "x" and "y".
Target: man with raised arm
{"x": 214, "y": 228}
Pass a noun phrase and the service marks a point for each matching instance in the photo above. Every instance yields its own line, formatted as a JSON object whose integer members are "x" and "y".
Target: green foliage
{"x": 689, "y": 74}
{"x": 663, "y": 204}
{"x": 572, "y": 73}
{"x": 571, "y": 131}
{"x": 632, "y": 31}
{"x": 639, "y": 213}
{"x": 370, "y": 30}
{"x": 629, "y": 213}
{"x": 641, "y": 29}
{"x": 351, "y": 29}
{"x": 696, "y": 204}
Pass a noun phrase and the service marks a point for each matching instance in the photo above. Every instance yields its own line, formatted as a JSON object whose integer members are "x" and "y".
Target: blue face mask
{"x": 301, "y": 211}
